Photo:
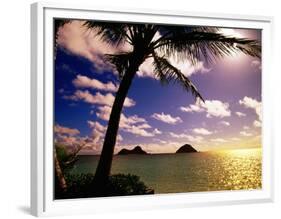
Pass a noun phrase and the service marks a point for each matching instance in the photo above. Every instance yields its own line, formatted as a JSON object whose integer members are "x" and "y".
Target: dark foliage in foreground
{"x": 83, "y": 186}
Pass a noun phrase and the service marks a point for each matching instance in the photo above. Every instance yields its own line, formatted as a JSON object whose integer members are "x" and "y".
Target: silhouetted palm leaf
{"x": 112, "y": 33}
{"x": 120, "y": 61}
{"x": 208, "y": 45}
{"x": 167, "y": 73}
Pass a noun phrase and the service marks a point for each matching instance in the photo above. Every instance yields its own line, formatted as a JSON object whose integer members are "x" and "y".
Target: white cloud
{"x": 136, "y": 130}
{"x": 187, "y": 68}
{"x": 202, "y": 131}
{"x": 213, "y": 108}
{"x": 256, "y": 64}
{"x": 58, "y": 129}
{"x": 104, "y": 112}
{"x": 97, "y": 126}
{"x": 98, "y": 132}
{"x": 178, "y": 135}
{"x": 251, "y": 103}
{"x": 257, "y": 123}
{"x": 219, "y": 140}
{"x": 246, "y": 127}
{"x": 190, "y": 138}
{"x": 77, "y": 39}
{"x": 146, "y": 69}
{"x": 66, "y": 140}
{"x": 225, "y": 123}
{"x": 167, "y": 118}
{"x": 131, "y": 124}
{"x": 84, "y": 82}
{"x": 97, "y": 136}
{"x": 98, "y": 98}
{"x": 192, "y": 108}
{"x": 157, "y": 131}
{"x": 246, "y": 134}
{"x": 124, "y": 121}
{"x": 239, "y": 114}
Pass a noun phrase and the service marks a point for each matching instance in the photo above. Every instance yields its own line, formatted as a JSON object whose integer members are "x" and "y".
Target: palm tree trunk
{"x": 104, "y": 165}
{"x": 59, "y": 173}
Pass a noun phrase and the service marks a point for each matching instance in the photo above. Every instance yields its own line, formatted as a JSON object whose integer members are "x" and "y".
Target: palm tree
{"x": 180, "y": 42}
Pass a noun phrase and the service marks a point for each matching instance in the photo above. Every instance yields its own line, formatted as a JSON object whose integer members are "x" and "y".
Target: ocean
{"x": 239, "y": 169}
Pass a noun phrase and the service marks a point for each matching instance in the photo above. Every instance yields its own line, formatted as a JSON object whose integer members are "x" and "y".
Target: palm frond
{"x": 121, "y": 62}
{"x": 166, "y": 72}
{"x": 207, "y": 45}
{"x": 172, "y": 31}
{"x": 112, "y": 33}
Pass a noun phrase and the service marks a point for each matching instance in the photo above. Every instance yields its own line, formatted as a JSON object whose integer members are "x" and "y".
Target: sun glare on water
{"x": 241, "y": 168}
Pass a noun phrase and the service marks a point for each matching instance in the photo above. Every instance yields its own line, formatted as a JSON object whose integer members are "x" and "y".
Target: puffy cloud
{"x": 66, "y": 140}
{"x": 77, "y": 39}
{"x": 157, "y": 131}
{"x": 187, "y": 68}
{"x": 202, "y": 131}
{"x": 219, "y": 140}
{"x": 98, "y": 132}
{"x": 98, "y": 98}
{"x": 213, "y": 108}
{"x": 239, "y": 114}
{"x": 256, "y": 64}
{"x": 146, "y": 69}
{"x": 97, "y": 136}
{"x": 246, "y": 134}
{"x": 136, "y": 130}
{"x": 192, "y": 108}
{"x": 191, "y": 138}
{"x": 96, "y": 125}
{"x": 246, "y": 127}
{"x": 167, "y": 118}
{"x": 251, "y": 103}
{"x": 132, "y": 124}
{"x": 58, "y": 129}
{"x": 125, "y": 121}
{"x": 104, "y": 112}
{"x": 257, "y": 123}
{"x": 225, "y": 123}
{"x": 85, "y": 82}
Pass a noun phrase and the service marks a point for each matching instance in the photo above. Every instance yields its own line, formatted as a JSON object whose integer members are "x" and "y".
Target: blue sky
{"x": 158, "y": 118}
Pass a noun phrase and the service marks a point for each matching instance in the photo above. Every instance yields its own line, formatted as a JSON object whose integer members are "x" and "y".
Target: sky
{"x": 159, "y": 118}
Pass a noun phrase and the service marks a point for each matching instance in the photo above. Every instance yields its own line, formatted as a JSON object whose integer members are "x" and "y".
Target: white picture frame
{"x": 42, "y": 202}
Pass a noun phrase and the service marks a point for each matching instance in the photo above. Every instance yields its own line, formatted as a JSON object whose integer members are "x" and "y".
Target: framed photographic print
{"x": 135, "y": 109}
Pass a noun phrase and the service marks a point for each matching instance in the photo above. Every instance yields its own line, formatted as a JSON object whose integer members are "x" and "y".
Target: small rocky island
{"x": 136, "y": 150}
{"x": 187, "y": 148}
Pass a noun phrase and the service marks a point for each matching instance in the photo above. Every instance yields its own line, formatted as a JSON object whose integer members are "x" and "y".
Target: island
{"x": 187, "y": 148}
{"x": 136, "y": 150}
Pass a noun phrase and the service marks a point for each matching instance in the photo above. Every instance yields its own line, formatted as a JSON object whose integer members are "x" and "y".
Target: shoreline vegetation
{"x": 83, "y": 185}
{"x": 70, "y": 186}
